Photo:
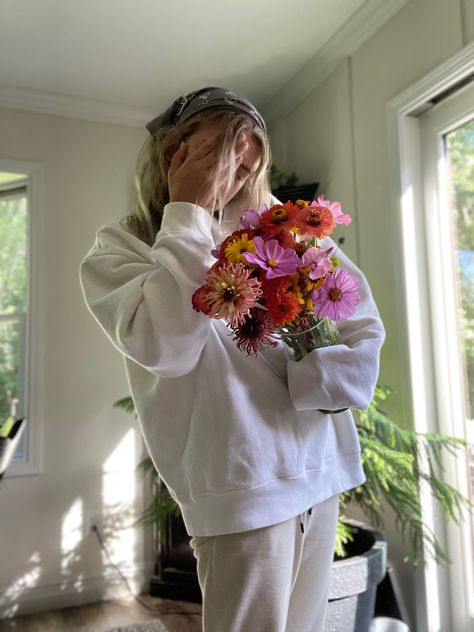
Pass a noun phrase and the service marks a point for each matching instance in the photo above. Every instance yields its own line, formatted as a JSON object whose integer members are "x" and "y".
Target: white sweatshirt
{"x": 239, "y": 441}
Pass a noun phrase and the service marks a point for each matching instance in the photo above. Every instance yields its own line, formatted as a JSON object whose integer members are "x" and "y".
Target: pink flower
{"x": 335, "y": 208}
{"x": 250, "y": 218}
{"x": 274, "y": 259}
{"x": 338, "y": 297}
{"x": 319, "y": 260}
{"x": 229, "y": 294}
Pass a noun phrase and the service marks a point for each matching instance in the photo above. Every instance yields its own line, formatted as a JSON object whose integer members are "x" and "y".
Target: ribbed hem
{"x": 280, "y": 500}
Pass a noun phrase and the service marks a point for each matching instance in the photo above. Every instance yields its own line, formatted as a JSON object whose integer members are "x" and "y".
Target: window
{"x": 431, "y": 162}
{"x": 447, "y": 143}
{"x": 13, "y": 299}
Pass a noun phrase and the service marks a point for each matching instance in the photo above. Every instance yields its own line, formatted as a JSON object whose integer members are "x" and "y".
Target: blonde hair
{"x": 154, "y": 158}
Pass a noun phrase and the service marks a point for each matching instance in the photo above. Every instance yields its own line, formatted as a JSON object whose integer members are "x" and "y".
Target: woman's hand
{"x": 192, "y": 172}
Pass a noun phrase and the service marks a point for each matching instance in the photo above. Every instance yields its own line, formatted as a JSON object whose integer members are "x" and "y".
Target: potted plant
{"x": 391, "y": 457}
{"x": 284, "y": 186}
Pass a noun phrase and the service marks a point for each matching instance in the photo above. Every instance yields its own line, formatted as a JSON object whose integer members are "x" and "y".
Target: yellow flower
{"x": 309, "y": 305}
{"x": 236, "y": 247}
{"x": 295, "y": 288}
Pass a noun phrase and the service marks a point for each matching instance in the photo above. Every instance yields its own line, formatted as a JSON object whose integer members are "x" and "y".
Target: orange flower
{"x": 285, "y": 239}
{"x": 276, "y": 287}
{"x": 278, "y": 217}
{"x": 282, "y": 308}
{"x": 315, "y": 221}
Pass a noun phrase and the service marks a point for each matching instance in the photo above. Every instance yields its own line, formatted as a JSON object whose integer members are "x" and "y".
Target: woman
{"x": 241, "y": 442}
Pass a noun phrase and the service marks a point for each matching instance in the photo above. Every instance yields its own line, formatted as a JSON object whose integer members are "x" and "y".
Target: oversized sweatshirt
{"x": 240, "y": 441}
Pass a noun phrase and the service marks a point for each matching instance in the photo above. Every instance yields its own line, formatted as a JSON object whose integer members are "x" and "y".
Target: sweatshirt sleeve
{"x": 141, "y": 296}
{"x": 344, "y": 375}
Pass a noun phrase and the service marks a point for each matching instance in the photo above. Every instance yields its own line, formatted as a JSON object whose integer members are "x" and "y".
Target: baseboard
{"x": 74, "y": 591}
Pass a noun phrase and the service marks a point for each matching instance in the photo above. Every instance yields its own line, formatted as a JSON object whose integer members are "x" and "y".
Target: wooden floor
{"x": 177, "y": 616}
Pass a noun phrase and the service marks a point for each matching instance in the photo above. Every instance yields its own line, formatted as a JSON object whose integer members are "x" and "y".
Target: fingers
{"x": 178, "y": 158}
{"x": 208, "y": 147}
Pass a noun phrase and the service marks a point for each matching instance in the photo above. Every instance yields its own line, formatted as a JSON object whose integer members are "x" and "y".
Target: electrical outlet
{"x": 95, "y": 520}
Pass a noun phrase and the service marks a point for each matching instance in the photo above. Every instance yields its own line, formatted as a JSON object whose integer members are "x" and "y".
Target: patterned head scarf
{"x": 185, "y": 107}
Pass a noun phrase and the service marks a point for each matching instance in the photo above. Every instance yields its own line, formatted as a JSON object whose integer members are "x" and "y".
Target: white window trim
{"x": 406, "y": 196}
{"x": 34, "y": 352}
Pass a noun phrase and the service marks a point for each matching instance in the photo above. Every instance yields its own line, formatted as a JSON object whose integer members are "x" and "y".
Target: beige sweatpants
{"x": 272, "y": 579}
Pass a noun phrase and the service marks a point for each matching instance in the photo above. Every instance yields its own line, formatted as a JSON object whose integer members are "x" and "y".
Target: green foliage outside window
{"x": 12, "y": 297}
{"x": 460, "y": 150}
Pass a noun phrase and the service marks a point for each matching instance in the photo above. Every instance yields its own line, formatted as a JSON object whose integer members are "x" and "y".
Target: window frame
{"x": 448, "y": 380}
{"x": 33, "y": 384}
{"x": 418, "y": 384}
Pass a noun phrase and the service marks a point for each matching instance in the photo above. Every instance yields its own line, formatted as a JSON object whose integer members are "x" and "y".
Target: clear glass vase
{"x": 322, "y": 332}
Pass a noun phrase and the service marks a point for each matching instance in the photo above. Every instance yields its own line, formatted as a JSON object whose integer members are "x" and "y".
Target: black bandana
{"x": 184, "y": 107}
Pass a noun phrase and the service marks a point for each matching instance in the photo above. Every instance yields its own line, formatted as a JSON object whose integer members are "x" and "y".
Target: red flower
{"x": 285, "y": 239}
{"x": 200, "y": 300}
{"x": 282, "y": 308}
{"x": 275, "y": 287}
{"x": 256, "y": 333}
{"x": 277, "y": 218}
{"x": 315, "y": 221}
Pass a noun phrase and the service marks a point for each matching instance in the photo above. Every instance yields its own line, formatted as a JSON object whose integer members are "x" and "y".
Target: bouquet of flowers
{"x": 272, "y": 280}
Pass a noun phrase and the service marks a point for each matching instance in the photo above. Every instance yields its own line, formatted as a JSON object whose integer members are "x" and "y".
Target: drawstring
{"x": 301, "y": 519}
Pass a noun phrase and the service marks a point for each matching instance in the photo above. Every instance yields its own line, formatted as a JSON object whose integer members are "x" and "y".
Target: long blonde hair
{"x": 151, "y": 177}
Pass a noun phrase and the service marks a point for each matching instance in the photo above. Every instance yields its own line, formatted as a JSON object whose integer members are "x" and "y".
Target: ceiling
{"x": 141, "y": 55}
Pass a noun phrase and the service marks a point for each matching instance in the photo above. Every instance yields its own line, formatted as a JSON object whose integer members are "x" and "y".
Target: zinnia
{"x": 236, "y": 247}
{"x": 335, "y": 208}
{"x": 278, "y": 217}
{"x": 338, "y": 297}
{"x": 231, "y": 293}
{"x": 282, "y": 308}
{"x": 256, "y": 333}
{"x": 315, "y": 221}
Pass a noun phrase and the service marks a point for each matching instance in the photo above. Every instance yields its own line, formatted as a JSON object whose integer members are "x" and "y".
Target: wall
{"x": 89, "y": 450}
{"x": 338, "y": 135}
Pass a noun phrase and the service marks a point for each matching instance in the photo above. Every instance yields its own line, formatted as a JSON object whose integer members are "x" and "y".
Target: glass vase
{"x": 322, "y": 332}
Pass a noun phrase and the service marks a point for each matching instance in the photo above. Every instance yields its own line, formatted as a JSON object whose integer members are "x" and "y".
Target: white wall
{"x": 338, "y": 135}
{"x": 89, "y": 449}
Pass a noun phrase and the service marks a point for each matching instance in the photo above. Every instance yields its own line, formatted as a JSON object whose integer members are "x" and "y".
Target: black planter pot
{"x": 298, "y": 192}
{"x": 352, "y": 590}
{"x": 354, "y": 581}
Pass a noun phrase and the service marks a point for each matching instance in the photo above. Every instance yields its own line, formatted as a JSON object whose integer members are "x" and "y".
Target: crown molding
{"x": 453, "y": 71}
{"x": 74, "y": 107}
{"x": 359, "y": 29}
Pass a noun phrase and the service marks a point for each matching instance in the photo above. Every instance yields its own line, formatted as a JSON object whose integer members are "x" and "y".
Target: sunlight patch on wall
{"x": 118, "y": 501}
{"x": 71, "y": 538}
{"x": 10, "y": 598}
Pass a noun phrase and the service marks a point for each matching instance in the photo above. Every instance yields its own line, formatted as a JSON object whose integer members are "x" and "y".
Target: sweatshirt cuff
{"x": 186, "y": 217}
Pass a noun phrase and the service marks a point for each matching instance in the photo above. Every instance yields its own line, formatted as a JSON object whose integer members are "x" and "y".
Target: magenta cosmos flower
{"x": 319, "y": 260}
{"x": 338, "y": 297}
{"x": 229, "y": 293}
{"x": 251, "y": 218}
{"x": 274, "y": 259}
{"x": 335, "y": 208}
